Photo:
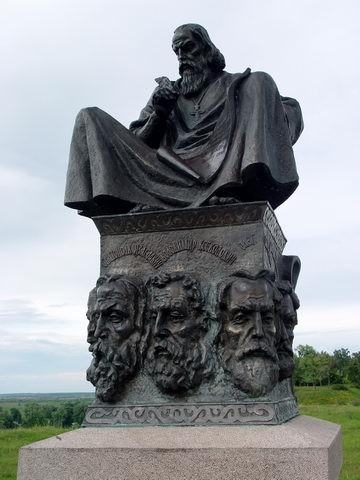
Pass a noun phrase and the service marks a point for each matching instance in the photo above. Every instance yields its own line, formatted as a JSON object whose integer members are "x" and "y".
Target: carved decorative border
{"x": 174, "y": 414}
{"x": 184, "y": 219}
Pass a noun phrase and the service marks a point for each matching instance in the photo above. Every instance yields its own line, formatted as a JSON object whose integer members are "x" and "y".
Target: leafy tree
{"x": 341, "y": 359}
{"x": 63, "y": 416}
{"x": 35, "y": 414}
{"x": 306, "y": 365}
{"x": 354, "y": 369}
{"x": 16, "y": 416}
{"x": 5, "y": 420}
{"x": 79, "y": 412}
{"x": 323, "y": 366}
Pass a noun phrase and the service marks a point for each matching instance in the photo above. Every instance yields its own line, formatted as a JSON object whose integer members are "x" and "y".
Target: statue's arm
{"x": 293, "y": 116}
{"x": 150, "y": 126}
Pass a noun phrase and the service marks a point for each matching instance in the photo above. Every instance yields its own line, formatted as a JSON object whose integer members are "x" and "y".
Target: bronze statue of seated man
{"x": 208, "y": 137}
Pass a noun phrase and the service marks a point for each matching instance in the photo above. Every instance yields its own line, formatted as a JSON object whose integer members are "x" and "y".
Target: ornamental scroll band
{"x": 239, "y": 214}
{"x": 181, "y": 414}
{"x": 186, "y": 244}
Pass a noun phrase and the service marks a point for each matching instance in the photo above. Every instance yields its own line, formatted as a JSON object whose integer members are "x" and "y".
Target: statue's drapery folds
{"x": 241, "y": 146}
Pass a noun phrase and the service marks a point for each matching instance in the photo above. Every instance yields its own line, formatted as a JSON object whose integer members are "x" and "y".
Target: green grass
{"x": 12, "y": 440}
{"x": 348, "y": 417}
{"x": 328, "y": 396}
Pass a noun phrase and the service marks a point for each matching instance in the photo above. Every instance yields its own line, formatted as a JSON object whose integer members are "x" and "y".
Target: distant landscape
{"x": 327, "y": 386}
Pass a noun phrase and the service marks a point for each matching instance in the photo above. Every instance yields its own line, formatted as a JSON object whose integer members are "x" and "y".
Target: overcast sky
{"x": 60, "y": 56}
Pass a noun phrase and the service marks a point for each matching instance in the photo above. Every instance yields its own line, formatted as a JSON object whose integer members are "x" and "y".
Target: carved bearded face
{"x": 193, "y": 65}
{"x": 117, "y": 336}
{"x": 248, "y": 336}
{"x": 287, "y": 321}
{"x": 178, "y": 355}
{"x": 92, "y": 316}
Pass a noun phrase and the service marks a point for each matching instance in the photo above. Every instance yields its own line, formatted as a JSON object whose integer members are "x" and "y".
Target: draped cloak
{"x": 240, "y": 145}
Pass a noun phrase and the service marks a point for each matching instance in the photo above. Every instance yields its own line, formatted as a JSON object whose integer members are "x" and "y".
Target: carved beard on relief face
{"x": 195, "y": 76}
{"x": 255, "y": 375}
{"x": 254, "y": 369}
{"x": 178, "y": 364}
{"x": 112, "y": 365}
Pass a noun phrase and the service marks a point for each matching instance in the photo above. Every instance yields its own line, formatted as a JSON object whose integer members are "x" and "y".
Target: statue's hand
{"x": 164, "y": 97}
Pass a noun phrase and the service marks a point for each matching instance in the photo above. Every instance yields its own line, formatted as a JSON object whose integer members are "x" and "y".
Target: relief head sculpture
{"x": 115, "y": 342}
{"x": 248, "y": 332}
{"x": 179, "y": 356}
{"x": 287, "y": 320}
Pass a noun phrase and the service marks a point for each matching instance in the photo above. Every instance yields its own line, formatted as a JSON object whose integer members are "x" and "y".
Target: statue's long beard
{"x": 111, "y": 366}
{"x": 286, "y": 364}
{"x": 178, "y": 365}
{"x": 254, "y": 375}
{"x": 195, "y": 76}
{"x": 193, "y": 83}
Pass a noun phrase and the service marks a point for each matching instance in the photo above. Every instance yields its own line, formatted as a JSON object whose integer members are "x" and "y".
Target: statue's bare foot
{"x": 144, "y": 208}
{"x": 222, "y": 201}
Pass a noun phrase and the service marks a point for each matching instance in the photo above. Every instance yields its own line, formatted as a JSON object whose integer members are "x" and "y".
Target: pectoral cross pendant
{"x": 197, "y": 112}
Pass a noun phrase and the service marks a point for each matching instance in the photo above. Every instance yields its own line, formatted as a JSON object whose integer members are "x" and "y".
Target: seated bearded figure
{"x": 210, "y": 137}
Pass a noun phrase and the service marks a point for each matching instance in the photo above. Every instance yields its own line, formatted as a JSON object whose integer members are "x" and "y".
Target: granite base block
{"x": 304, "y": 448}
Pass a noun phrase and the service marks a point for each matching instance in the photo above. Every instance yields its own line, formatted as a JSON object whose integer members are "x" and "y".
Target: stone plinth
{"x": 207, "y": 240}
{"x": 304, "y": 448}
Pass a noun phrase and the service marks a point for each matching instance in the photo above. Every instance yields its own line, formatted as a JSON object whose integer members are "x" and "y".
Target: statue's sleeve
{"x": 150, "y": 127}
{"x": 293, "y": 116}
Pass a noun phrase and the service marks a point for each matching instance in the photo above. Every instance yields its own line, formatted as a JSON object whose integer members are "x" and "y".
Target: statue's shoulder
{"x": 231, "y": 77}
{"x": 261, "y": 77}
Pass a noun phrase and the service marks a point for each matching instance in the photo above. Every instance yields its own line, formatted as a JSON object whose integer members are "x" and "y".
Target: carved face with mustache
{"x": 193, "y": 62}
{"x": 287, "y": 319}
{"x": 114, "y": 334}
{"x": 178, "y": 357}
{"x": 248, "y": 335}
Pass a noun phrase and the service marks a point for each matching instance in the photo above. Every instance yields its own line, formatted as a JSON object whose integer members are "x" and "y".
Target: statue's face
{"x": 92, "y": 316}
{"x": 115, "y": 312}
{"x": 250, "y": 321}
{"x": 286, "y": 323}
{"x": 188, "y": 50}
{"x": 115, "y": 353}
{"x": 248, "y": 335}
{"x": 176, "y": 355}
{"x": 288, "y": 316}
{"x": 174, "y": 315}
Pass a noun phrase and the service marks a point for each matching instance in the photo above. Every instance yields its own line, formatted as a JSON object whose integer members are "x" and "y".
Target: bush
{"x": 340, "y": 386}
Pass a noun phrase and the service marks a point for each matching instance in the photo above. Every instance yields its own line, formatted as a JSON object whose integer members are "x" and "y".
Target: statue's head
{"x": 248, "y": 332}
{"x": 287, "y": 320}
{"x": 198, "y": 57}
{"x": 117, "y": 334}
{"x": 178, "y": 355}
{"x": 92, "y": 316}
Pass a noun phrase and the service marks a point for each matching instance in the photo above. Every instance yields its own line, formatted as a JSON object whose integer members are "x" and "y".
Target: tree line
{"x": 313, "y": 368}
{"x": 65, "y": 414}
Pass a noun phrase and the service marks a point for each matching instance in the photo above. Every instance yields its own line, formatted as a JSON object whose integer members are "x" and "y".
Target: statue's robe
{"x": 239, "y": 145}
